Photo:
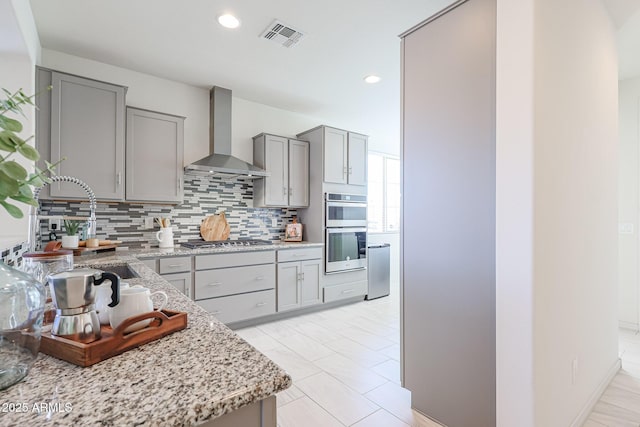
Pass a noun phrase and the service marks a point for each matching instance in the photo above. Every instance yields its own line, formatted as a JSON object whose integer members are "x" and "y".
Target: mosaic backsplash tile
{"x": 203, "y": 196}
{"x": 13, "y": 256}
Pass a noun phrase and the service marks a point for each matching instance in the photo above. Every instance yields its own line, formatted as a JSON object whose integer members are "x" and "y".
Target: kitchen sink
{"x": 124, "y": 271}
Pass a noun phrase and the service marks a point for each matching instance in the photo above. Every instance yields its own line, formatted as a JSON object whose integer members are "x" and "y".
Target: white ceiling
{"x": 181, "y": 40}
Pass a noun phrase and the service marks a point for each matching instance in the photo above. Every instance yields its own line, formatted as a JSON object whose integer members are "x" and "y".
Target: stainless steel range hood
{"x": 220, "y": 162}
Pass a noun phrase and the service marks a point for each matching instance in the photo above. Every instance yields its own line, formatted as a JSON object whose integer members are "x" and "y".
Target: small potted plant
{"x": 71, "y": 240}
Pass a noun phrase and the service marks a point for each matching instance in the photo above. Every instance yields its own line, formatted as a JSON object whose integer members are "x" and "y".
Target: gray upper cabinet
{"x": 287, "y": 160}
{"x": 87, "y": 128}
{"x": 154, "y": 156}
{"x": 344, "y": 154}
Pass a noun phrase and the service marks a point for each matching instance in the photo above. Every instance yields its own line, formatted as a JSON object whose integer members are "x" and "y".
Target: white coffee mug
{"x": 165, "y": 237}
{"x": 134, "y": 301}
{"x": 103, "y": 299}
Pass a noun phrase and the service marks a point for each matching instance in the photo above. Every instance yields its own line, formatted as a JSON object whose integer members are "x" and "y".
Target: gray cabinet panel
{"x": 288, "y": 286}
{"x": 298, "y": 173}
{"x": 154, "y": 156}
{"x": 358, "y": 157}
{"x": 235, "y": 280}
{"x": 310, "y": 288}
{"x": 448, "y": 266}
{"x": 175, "y": 264}
{"x": 182, "y": 282}
{"x": 335, "y": 155}
{"x": 235, "y": 308}
{"x": 87, "y": 127}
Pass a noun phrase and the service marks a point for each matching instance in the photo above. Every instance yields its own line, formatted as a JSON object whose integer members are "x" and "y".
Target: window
{"x": 384, "y": 193}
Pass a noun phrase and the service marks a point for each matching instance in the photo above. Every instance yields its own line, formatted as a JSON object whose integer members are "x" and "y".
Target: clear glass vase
{"x": 22, "y": 300}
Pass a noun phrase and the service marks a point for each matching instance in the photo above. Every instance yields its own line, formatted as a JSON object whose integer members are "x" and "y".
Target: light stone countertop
{"x": 188, "y": 377}
{"x": 182, "y": 251}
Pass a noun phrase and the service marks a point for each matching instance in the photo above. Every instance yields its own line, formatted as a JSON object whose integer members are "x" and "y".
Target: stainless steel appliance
{"x": 73, "y": 293}
{"x": 345, "y": 210}
{"x": 378, "y": 259}
{"x": 202, "y": 244}
{"x": 346, "y": 249}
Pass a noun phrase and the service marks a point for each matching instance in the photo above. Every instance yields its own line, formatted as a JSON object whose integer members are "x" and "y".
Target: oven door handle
{"x": 333, "y": 230}
{"x": 346, "y": 204}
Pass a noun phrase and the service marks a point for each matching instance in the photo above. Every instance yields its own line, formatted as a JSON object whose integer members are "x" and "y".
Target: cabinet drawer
{"x": 175, "y": 264}
{"x": 230, "y": 281}
{"x": 241, "y": 307}
{"x": 151, "y": 263}
{"x": 236, "y": 259}
{"x": 285, "y": 255}
{"x": 344, "y": 291}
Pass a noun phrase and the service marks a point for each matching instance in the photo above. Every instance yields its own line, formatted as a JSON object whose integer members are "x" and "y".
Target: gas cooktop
{"x": 201, "y": 244}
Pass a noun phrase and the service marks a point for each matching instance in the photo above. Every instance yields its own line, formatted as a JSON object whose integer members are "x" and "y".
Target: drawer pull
{"x": 174, "y": 265}
{"x": 260, "y": 278}
{"x": 261, "y": 304}
{"x": 216, "y": 312}
{"x": 214, "y": 284}
{"x": 348, "y": 291}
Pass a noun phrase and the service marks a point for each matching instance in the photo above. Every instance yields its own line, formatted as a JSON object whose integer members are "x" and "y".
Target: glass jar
{"x": 41, "y": 264}
{"x": 22, "y": 301}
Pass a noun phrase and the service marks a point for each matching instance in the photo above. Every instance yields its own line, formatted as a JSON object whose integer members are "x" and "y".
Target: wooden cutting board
{"x": 215, "y": 227}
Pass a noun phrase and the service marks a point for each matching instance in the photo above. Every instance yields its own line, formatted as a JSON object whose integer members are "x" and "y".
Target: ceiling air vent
{"x": 283, "y": 34}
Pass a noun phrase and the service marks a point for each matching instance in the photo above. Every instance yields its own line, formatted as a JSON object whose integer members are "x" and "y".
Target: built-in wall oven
{"x": 345, "y": 210}
{"x": 346, "y": 232}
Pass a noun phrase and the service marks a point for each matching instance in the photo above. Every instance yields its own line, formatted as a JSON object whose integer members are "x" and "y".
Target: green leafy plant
{"x": 72, "y": 227}
{"x": 15, "y": 182}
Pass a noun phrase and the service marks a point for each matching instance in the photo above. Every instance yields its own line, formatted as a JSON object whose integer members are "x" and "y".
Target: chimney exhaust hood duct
{"x": 220, "y": 162}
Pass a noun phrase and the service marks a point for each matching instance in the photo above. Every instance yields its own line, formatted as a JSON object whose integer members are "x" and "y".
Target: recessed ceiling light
{"x": 372, "y": 79}
{"x": 228, "y": 21}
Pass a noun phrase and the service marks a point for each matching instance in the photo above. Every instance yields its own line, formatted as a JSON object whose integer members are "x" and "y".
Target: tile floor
{"x": 346, "y": 371}
{"x": 345, "y": 365}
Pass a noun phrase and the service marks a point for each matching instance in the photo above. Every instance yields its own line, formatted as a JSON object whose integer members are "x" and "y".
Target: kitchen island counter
{"x": 189, "y": 377}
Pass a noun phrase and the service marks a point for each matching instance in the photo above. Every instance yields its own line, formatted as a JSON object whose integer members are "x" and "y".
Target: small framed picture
{"x": 293, "y": 232}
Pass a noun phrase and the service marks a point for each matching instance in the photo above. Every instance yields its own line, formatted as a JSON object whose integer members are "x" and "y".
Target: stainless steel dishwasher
{"x": 378, "y": 270}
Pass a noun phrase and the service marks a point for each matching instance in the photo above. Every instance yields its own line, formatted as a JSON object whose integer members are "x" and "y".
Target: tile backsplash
{"x": 13, "y": 255}
{"x": 203, "y": 196}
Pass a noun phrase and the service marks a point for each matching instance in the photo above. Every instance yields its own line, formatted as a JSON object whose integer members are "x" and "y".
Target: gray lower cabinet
{"x": 82, "y": 121}
{"x": 181, "y": 281}
{"x": 236, "y": 286}
{"x": 154, "y": 156}
{"x": 175, "y": 270}
{"x": 299, "y": 281}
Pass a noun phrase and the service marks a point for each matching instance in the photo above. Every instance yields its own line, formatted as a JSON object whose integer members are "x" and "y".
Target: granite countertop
{"x": 182, "y": 251}
{"x": 188, "y": 377}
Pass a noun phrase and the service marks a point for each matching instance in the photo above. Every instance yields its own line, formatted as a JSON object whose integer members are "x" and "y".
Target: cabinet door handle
{"x": 260, "y": 278}
{"x": 261, "y": 304}
{"x": 348, "y": 291}
{"x": 118, "y": 179}
{"x": 284, "y": 191}
{"x": 179, "y": 183}
{"x": 214, "y": 284}
{"x": 303, "y": 277}
{"x": 344, "y": 170}
{"x": 290, "y": 191}
{"x": 350, "y": 171}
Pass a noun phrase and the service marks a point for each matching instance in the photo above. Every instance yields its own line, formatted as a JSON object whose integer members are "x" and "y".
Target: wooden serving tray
{"x": 113, "y": 342}
{"x": 91, "y": 251}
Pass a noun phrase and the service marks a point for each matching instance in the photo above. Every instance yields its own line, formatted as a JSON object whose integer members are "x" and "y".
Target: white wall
{"x": 557, "y": 159}
{"x": 628, "y": 207}
{"x": 515, "y": 404}
{"x": 19, "y": 49}
{"x": 154, "y": 93}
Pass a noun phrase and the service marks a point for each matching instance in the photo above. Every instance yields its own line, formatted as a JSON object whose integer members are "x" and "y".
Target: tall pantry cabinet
{"x": 448, "y": 205}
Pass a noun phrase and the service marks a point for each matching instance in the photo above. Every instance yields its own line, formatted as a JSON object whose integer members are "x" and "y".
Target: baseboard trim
{"x": 634, "y": 326}
{"x": 595, "y": 396}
